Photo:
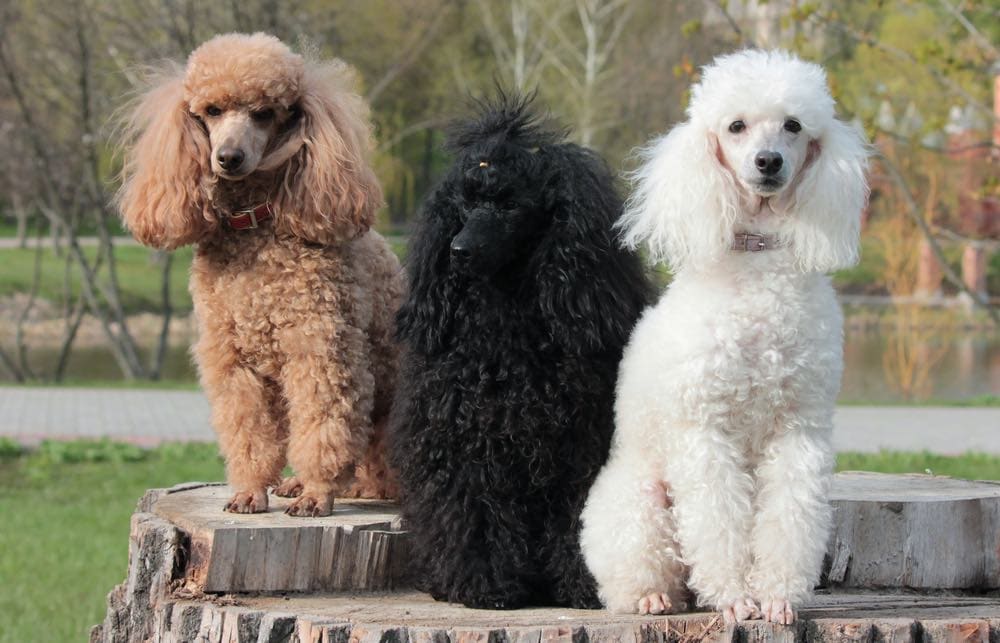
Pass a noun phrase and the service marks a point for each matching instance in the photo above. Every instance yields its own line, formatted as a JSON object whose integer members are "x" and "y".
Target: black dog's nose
{"x": 460, "y": 250}
{"x": 768, "y": 163}
{"x": 230, "y": 158}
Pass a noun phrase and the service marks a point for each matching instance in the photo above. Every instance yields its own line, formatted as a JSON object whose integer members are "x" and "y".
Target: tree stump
{"x": 199, "y": 574}
{"x": 359, "y": 547}
{"x": 914, "y": 531}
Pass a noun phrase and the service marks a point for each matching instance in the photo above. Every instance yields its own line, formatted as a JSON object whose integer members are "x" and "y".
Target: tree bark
{"x": 914, "y": 532}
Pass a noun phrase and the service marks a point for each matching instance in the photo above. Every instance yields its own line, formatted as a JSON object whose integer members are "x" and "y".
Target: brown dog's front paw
{"x": 311, "y": 504}
{"x": 248, "y": 502}
{"x": 289, "y": 488}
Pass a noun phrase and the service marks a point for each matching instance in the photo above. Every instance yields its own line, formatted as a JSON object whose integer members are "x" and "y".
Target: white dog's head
{"x": 761, "y": 151}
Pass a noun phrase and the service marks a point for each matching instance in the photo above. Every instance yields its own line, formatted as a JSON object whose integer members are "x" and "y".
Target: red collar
{"x": 249, "y": 219}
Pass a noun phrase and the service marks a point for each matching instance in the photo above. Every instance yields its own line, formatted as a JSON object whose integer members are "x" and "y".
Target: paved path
{"x": 151, "y": 416}
{"x": 7, "y": 243}
{"x": 30, "y": 414}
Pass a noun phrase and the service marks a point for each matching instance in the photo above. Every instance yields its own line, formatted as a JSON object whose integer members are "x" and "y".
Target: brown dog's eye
{"x": 212, "y": 110}
{"x": 262, "y": 115}
{"x": 793, "y": 126}
{"x": 737, "y": 126}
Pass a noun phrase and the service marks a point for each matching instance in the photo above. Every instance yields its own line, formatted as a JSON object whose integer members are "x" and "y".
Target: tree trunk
{"x": 320, "y": 572}
{"x": 914, "y": 532}
{"x": 359, "y": 548}
{"x": 21, "y": 216}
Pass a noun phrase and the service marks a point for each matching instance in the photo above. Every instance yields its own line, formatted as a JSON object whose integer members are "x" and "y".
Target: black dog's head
{"x": 501, "y": 183}
{"x": 521, "y": 227}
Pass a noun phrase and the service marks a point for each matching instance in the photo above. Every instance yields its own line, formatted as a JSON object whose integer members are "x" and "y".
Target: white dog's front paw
{"x": 742, "y": 609}
{"x": 655, "y": 603}
{"x": 778, "y": 611}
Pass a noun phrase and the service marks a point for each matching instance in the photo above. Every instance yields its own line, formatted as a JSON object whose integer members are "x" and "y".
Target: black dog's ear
{"x": 590, "y": 290}
{"x": 425, "y": 317}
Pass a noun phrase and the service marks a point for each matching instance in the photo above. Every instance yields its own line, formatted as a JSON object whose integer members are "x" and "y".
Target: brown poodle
{"x": 259, "y": 157}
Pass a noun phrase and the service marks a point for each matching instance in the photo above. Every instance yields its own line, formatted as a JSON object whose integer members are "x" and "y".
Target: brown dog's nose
{"x": 230, "y": 158}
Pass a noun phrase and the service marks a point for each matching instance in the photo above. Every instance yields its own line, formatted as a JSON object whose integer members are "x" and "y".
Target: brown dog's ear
{"x": 162, "y": 197}
{"x": 330, "y": 192}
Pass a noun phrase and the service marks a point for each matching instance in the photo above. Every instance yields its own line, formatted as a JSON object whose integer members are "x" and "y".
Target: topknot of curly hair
{"x": 243, "y": 69}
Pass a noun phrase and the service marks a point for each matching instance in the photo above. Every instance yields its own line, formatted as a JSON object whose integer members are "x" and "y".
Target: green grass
{"x": 138, "y": 273}
{"x": 980, "y": 401}
{"x": 973, "y": 466}
{"x": 65, "y": 511}
{"x": 8, "y": 228}
{"x": 64, "y": 529}
{"x": 162, "y": 385}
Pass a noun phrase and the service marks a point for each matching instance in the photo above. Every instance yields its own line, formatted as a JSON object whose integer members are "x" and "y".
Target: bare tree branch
{"x": 410, "y": 53}
{"x": 167, "y": 311}
{"x": 905, "y": 57}
{"x": 745, "y": 41}
{"x": 913, "y": 210}
{"x": 410, "y": 130}
{"x": 11, "y": 367}
{"x": 977, "y": 35}
{"x": 19, "y": 344}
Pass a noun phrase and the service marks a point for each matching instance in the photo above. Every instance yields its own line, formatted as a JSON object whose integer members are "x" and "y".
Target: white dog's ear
{"x": 684, "y": 201}
{"x": 829, "y": 199}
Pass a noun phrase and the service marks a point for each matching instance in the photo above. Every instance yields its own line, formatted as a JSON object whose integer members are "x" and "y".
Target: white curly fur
{"x": 727, "y": 388}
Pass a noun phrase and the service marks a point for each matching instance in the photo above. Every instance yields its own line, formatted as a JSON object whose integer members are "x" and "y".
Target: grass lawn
{"x": 138, "y": 274}
{"x": 65, "y": 511}
{"x": 64, "y": 521}
{"x": 979, "y": 401}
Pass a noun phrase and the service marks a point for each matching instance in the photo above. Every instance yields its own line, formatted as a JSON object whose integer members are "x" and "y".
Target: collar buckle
{"x": 249, "y": 213}
{"x": 752, "y": 242}
{"x": 250, "y": 218}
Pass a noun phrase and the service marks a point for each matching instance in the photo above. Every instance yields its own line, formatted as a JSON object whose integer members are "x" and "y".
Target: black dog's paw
{"x": 577, "y": 588}
{"x": 587, "y": 602}
{"x": 494, "y": 602}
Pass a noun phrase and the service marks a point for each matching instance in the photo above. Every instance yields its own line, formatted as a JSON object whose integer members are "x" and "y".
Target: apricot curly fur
{"x": 295, "y": 348}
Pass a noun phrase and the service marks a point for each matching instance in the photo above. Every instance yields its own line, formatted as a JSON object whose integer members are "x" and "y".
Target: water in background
{"x": 964, "y": 365}
{"x": 967, "y": 365}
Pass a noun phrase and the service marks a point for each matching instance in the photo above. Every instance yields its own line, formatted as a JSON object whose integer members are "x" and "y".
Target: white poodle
{"x": 721, "y": 461}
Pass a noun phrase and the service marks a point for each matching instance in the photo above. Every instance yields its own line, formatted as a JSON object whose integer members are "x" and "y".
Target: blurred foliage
{"x": 616, "y": 73}
{"x": 420, "y": 60}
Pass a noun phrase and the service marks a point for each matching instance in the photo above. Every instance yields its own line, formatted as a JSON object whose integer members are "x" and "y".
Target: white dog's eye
{"x": 212, "y": 110}
{"x": 793, "y": 126}
{"x": 737, "y": 126}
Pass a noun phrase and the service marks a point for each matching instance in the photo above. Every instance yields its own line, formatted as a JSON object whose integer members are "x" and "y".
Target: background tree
{"x": 616, "y": 72}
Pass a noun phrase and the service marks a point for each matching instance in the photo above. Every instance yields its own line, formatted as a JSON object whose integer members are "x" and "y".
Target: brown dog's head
{"x": 245, "y": 105}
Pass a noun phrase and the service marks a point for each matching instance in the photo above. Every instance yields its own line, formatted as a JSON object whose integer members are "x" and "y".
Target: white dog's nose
{"x": 769, "y": 163}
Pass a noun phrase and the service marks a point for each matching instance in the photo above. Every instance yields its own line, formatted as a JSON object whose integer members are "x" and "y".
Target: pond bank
{"x": 891, "y": 356}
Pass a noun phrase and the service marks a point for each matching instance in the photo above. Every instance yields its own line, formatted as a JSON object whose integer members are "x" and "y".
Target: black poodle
{"x": 520, "y": 304}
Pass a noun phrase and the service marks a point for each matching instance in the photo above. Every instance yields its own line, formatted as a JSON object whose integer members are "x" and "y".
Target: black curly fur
{"x": 504, "y": 411}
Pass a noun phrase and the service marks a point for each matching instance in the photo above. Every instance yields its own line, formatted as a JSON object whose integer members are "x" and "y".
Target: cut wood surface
{"x": 359, "y": 547}
{"x": 895, "y": 531}
{"x": 914, "y": 531}
{"x": 413, "y": 617}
